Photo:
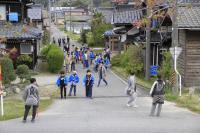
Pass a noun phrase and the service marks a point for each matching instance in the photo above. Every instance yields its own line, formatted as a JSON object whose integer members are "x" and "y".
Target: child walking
{"x": 74, "y": 80}
{"x": 88, "y": 83}
{"x": 62, "y": 82}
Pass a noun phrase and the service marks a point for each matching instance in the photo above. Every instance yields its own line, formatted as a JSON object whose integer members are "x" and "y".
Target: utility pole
{"x": 175, "y": 27}
{"x": 70, "y": 15}
{"x": 148, "y": 44}
{"x": 50, "y": 19}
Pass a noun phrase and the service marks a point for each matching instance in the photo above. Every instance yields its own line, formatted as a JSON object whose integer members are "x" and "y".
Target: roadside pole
{"x": 175, "y": 52}
{"x": 1, "y": 93}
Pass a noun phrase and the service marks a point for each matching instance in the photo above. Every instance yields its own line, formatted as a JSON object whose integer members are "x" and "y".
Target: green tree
{"x": 98, "y": 27}
{"x": 166, "y": 67}
{"x": 7, "y": 70}
{"x": 23, "y": 72}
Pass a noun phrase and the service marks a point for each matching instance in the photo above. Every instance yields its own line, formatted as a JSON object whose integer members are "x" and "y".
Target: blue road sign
{"x": 13, "y": 17}
{"x": 154, "y": 70}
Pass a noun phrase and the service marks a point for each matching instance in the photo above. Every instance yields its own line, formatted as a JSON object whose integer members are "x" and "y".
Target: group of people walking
{"x": 63, "y": 81}
{"x": 100, "y": 63}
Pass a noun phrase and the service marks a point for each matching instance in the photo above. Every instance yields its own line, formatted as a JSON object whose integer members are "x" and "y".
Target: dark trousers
{"x": 63, "y": 89}
{"x": 27, "y": 109}
{"x": 91, "y": 61}
{"x": 73, "y": 87}
{"x": 86, "y": 64}
{"x": 103, "y": 81}
{"x": 73, "y": 66}
{"x": 88, "y": 91}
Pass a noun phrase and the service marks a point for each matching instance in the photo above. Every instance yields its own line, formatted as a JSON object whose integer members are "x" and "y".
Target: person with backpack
{"x": 62, "y": 82}
{"x": 157, "y": 93}
{"x": 31, "y": 99}
{"x": 88, "y": 81}
{"x": 131, "y": 90}
{"x": 74, "y": 80}
{"x": 102, "y": 74}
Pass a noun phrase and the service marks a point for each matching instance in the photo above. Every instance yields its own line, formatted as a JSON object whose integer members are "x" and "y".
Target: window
{"x": 2, "y": 12}
{"x": 26, "y": 49}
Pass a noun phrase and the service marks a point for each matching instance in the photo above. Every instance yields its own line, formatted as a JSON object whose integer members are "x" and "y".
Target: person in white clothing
{"x": 131, "y": 90}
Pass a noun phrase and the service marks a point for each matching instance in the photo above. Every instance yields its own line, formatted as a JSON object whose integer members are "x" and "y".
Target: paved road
{"x": 106, "y": 113}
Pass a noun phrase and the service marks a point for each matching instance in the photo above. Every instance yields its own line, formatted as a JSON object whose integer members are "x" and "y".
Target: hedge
{"x": 8, "y": 73}
{"x": 54, "y": 56}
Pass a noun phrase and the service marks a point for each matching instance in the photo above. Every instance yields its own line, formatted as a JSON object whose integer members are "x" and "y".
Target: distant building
{"x": 79, "y": 18}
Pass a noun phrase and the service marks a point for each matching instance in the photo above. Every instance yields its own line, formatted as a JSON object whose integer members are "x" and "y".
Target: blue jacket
{"x": 92, "y": 56}
{"x": 91, "y": 78}
{"x": 76, "y": 54}
{"x": 65, "y": 81}
{"x": 73, "y": 79}
{"x": 106, "y": 62}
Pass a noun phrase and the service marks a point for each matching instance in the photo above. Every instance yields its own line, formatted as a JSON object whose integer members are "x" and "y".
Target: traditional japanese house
{"x": 124, "y": 16}
{"x": 189, "y": 41}
{"x": 22, "y": 37}
{"x": 19, "y": 33}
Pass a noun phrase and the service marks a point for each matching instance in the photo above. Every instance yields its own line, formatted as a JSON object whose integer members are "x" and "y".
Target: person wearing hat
{"x": 73, "y": 79}
{"x": 88, "y": 81}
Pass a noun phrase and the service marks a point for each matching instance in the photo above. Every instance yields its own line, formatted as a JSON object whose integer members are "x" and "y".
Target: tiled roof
{"x": 127, "y": 17}
{"x": 107, "y": 13}
{"x": 188, "y": 1}
{"x": 35, "y": 13}
{"x": 189, "y": 17}
{"x": 19, "y": 32}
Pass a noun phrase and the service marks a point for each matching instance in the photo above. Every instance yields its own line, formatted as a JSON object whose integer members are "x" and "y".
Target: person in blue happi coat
{"x": 76, "y": 53}
{"x": 62, "y": 82}
{"x": 74, "y": 80}
{"x": 106, "y": 63}
{"x": 92, "y": 57}
{"x": 88, "y": 81}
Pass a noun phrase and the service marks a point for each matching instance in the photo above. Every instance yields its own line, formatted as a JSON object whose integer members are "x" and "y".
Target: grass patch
{"x": 73, "y": 36}
{"x": 15, "y": 108}
{"x": 192, "y": 103}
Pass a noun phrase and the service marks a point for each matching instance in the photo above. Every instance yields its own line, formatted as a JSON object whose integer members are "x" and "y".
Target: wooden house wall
{"x": 192, "y": 64}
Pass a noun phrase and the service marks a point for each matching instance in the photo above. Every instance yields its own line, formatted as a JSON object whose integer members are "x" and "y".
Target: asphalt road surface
{"x": 106, "y": 113}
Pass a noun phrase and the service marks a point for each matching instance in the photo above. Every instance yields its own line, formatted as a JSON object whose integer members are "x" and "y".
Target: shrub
{"x": 55, "y": 59}
{"x": 23, "y": 72}
{"x": 54, "y": 56}
{"x": 166, "y": 67}
{"x": 89, "y": 39}
{"x": 24, "y": 59}
{"x": 7, "y": 70}
{"x": 131, "y": 60}
{"x": 116, "y": 60}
